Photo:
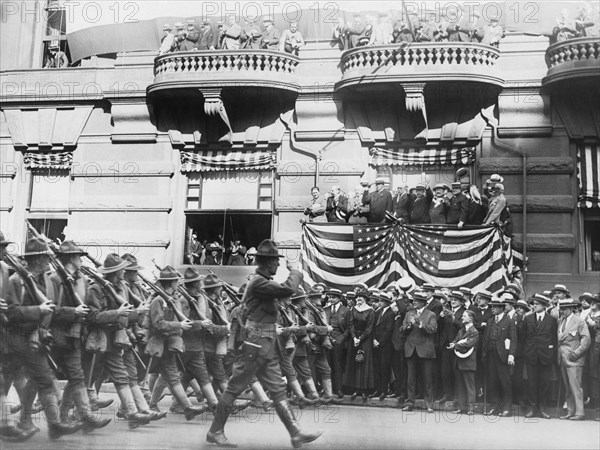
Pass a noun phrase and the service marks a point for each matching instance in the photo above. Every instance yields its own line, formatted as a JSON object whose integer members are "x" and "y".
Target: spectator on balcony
{"x": 209, "y": 37}
{"x": 440, "y": 34}
{"x": 291, "y": 40}
{"x": 191, "y": 37}
{"x": 372, "y": 31}
{"x": 357, "y": 33}
{"x": 419, "y": 212}
{"x": 402, "y": 32}
{"x": 583, "y": 21}
{"x": 475, "y": 27}
{"x": 233, "y": 34}
{"x": 166, "y": 42}
{"x": 565, "y": 27}
{"x": 385, "y": 28}
{"x": 337, "y": 206}
{"x": 357, "y": 213}
{"x": 180, "y": 34}
{"x": 421, "y": 34}
{"x": 477, "y": 205}
{"x": 402, "y": 203}
{"x": 341, "y": 34}
{"x": 380, "y": 202}
{"x": 457, "y": 31}
{"x": 220, "y": 34}
{"x": 271, "y": 36}
{"x": 497, "y": 205}
{"x": 253, "y": 38}
{"x": 56, "y": 58}
{"x": 316, "y": 209}
{"x": 438, "y": 208}
{"x": 493, "y": 33}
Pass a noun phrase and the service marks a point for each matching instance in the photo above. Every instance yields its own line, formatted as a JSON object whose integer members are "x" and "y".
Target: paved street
{"x": 347, "y": 427}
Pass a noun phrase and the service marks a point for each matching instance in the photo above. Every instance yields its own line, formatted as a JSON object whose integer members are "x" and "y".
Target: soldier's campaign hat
{"x": 456, "y": 184}
{"x": 213, "y": 246}
{"x": 522, "y": 304}
{"x": 300, "y": 294}
{"x": 421, "y": 186}
{"x": 441, "y": 186}
{"x": 133, "y": 262}
{"x": 211, "y": 281}
{"x": 268, "y": 248}
{"x": 420, "y": 297}
{"x": 168, "y": 274}
{"x": 560, "y": 288}
{"x": 586, "y": 296}
{"x": 568, "y": 303}
{"x": 3, "y": 240}
{"x": 485, "y": 295}
{"x": 190, "y": 275}
{"x": 335, "y": 292}
{"x": 466, "y": 291}
{"x": 36, "y": 246}
{"x": 166, "y": 27}
{"x": 70, "y": 248}
{"x": 428, "y": 287}
{"x": 241, "y": 291}
{"x": 458, "y": 295}
{"x": 540, "y": 299}
{"x": 112, "y": 263}
{"x": 313, "y": 293}
{"x": 179, "y": 25}
{"x": 380, "y": 180}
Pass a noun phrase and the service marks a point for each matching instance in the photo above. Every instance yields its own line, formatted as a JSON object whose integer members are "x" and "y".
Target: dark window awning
{"x": 227, "y": 160}
{"x": 413, "y": 157}
{"x": 588, "y": 174}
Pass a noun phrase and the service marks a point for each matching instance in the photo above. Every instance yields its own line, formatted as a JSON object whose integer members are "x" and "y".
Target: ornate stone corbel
{"x": 214, "y": 107}
{"x": 415, "y": 103}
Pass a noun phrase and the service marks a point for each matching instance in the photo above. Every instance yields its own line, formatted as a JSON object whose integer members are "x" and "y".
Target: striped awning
{"x": 413, "y": 157}
{"x": 48, "y": 160}
{"x": 588, "y": 173}
{"x": 224, "y": 160}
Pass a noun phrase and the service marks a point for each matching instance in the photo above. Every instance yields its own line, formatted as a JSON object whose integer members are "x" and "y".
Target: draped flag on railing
{"x": 343, "y": 255}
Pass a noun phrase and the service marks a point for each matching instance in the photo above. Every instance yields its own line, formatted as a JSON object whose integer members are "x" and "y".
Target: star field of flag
{"x": 376, "y": 254}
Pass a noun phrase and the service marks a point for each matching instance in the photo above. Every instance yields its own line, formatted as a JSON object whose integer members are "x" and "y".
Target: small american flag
{"x": 378, "y": 254}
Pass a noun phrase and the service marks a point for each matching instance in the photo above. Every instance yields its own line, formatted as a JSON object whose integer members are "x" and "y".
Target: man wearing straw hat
{"x": 464, "y": 346}
{"x": 261, "y": 351}
{"x": 573, "y": 342}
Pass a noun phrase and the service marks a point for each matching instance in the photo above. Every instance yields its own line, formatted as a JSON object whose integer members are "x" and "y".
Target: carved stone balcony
{"x": 574, "y": 64}
{"x": 225, "y": 68}
{"x": 422, "y": 62}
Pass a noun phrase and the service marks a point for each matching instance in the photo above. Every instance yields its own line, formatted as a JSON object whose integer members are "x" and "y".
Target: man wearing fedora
{"x": 382, "y": 345}
{"x": 464, "y": 346}
{"x": 337, "y": 317}
{"x": 483, "y": 313}
{"x": 498, "y": 353}
{"x": 166, "y": 326}
{"x": 56, "y": 58}
{"x": 66, "y": 330}
{"x": 379, "y": 202}
{"x": 438, "y": 208}
{"x": 419, "y": 326}
{"x": 9, "y": 431}
{"x": 539, "y": 354}
{"x": 104, "y": 355}
{"x": 573, "y": 342}
{"x": 261, "y": 351}
{"x": 26, "y": 315}
{"x": 191, "y": 37}
{"x": 449, "y": 322}
{"x": 458, "y": 207}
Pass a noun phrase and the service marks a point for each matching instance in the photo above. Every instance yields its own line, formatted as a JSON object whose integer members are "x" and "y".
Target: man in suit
{"x": 192, "y": 36}
{"x": 402, "y": 203}
{"x": 209, "y": 37}
{"x": 400, "y": 306}
{"x": 382, "y": 345}
{"x": 499, "y": 348}
{"x": 337, "y": 206}
{"x": 420, "y": 326}
{"x": 433, "y": 299}
{"x": 337, "y": 317}
{"x": 380, "y": 201}
{"x": 464, "y": 346}
{"x": 483, "y": 313}
{"x": 450, "y": 321}
{"x": 316, "y": 210}
{"x": 539, "y": 353}
{"x": 573, "y": 342}
{"x": 419, "y": 212}
{"x": 458, "y": 207}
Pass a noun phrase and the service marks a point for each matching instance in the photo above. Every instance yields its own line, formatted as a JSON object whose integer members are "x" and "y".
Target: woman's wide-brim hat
{"x": 268, "y": 248}
{"x": 113, "y": 263}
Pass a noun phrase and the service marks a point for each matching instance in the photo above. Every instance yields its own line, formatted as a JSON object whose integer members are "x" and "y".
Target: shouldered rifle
{"x": 303, "y": 321}
{"x": 229, "y": 289}
{"x": 41, "y": 337}
{"x": 166, "y": 297}
{"x": 326, "y": 342}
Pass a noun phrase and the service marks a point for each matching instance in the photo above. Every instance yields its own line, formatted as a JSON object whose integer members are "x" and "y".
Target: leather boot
{"x": 95, "y": 402}
{"x": 27, "y": 397}
{"x": 138, "y": 397}
{"x": 189, "y": 411}
{"x": 57, "y": 430}
{"x": 289, "y": 420}
{"x": 67, "y": 403}
{"x": 219, "y": 439}
{"x": 91, "y": 423}
{"x": 301, "y": 400}
{"x": 327, "y": 397}
{"x": 211, "y": 397}
{"x": 312, "y": 389}
{"x": 158, "y": 389}
{"x": 216, "y": 433}
{"x": 11, "y": 433}
{"x": 134, "y": 418}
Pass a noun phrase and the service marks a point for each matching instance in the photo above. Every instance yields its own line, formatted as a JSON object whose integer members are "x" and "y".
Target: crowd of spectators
{"x": 216, "y": 253}
{"x": 583, "y": 25}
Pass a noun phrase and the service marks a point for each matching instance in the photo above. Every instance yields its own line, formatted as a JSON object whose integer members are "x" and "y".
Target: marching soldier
{"x": 27, "y": 311}
{"x": 110, "y": 314}
{"x": 66, "y": 330}
{"x": 261, "y": 349}
{"x": 167, "y": 325}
